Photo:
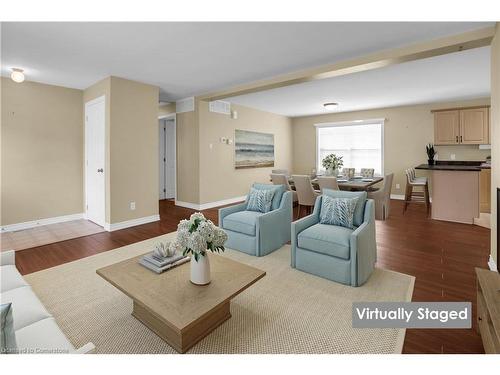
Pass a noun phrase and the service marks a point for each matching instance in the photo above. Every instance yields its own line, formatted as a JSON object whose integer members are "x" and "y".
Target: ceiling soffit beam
{"x": 436, "y": 47}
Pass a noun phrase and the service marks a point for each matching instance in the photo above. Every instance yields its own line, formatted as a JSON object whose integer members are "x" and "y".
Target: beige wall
{"x": 42, "y": 151}
{"x": 131, "y": 147}
{"x": 166, "y": 109}
{"x": 406, "y": 132}
{"x": 495, "y": 138}
{"x": 219, "y": 179}
{"x": 188, "y": 160}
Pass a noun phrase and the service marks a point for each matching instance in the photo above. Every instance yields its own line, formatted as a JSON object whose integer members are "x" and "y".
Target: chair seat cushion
{"x": 10, "y": 278}
{"x": 326, "y": 239}
{"x": 242, "y": 222}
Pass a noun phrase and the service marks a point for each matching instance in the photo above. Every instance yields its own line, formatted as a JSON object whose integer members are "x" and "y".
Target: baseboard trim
{"x": 40, "y": 222}
{"x": 205, "y": 206}
{"x": 401, "y": 197}
{"x": 492, "y": 264}
{"x": 398, "y": 197}
{"x": 131, "y": 223}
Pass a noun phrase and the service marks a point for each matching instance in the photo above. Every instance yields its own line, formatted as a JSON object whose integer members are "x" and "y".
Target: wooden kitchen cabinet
{"x": 446, "y": 127}
{"x": 462, "y": 126}
{"x": 485, "y": 190}
{"x": 474, "y": 126}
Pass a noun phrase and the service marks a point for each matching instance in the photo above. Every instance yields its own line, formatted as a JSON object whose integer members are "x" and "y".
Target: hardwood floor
{"x": 441, "y": 256}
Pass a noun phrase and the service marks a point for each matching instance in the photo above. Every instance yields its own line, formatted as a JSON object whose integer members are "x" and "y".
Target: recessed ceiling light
{"x": 330, "y": 105}
{"x": 17, "y": 75}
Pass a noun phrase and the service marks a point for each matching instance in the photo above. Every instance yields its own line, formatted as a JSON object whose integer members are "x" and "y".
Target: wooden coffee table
{"x": 178, "y": 311}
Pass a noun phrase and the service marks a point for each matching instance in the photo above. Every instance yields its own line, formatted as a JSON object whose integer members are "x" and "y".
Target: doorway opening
{"x": 167, "y": 157}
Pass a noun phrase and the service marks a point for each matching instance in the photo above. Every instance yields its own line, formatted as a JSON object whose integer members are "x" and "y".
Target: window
{"x": 360, "y": 143}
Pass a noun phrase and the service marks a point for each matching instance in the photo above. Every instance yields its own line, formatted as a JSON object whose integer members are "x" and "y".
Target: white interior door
{"x": 94, "y": 163}
{"x": 170, "y": 159}
{"x": 161, "y": 137}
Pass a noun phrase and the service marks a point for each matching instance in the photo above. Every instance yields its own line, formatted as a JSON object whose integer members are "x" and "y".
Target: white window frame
{"x": 380, "y": 121}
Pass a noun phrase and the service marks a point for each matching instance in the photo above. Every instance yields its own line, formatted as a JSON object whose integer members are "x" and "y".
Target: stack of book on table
{"x": 159, "y": 264}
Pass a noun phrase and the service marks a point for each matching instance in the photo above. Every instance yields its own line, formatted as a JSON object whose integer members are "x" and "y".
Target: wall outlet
{"x": 132, "y": 206}
{"x": 452, "y": 156}
{"x": 211, "y": 146}
{"x": 398, "y": 186}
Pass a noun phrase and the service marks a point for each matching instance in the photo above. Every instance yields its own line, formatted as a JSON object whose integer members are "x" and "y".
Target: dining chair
{"x": 305, "y": 192}
{"x": 280, "y": 171}
{"x": 327, "y": 182}
{"x": 411, "y": 196}
{"x": 348, "y": 173}
{"x": 367, "y": 172}
{"x": 382, "y": 198}
{"x": 282, "y": 179}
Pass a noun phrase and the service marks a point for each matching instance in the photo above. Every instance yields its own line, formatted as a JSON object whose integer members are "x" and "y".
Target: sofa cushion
{"x": 26, "y": 307}
{"x": 242, "y": 222}
{"x": 279, "y": 190}
{"x": 43, "y": 337}
{"x": 326, "y": 239}
{"x": 10, "y": 278}
{"x": 8, "y": 336}
{"x": 359, "y": 212}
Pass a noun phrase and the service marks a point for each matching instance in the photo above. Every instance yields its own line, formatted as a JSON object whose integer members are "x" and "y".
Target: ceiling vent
{"x": 219, "y": 106}
{"x": 184, "y": 105}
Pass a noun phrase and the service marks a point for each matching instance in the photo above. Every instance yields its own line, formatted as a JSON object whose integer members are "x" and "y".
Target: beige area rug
{"x": 46, "y": 234}
{"x": 287, "y": 311}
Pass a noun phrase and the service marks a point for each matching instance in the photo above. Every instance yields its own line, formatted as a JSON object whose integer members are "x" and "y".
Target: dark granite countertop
{"x": 455, "y": 165}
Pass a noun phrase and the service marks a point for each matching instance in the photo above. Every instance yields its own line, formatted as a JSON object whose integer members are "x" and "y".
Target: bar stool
{"x": 421, "y": 196}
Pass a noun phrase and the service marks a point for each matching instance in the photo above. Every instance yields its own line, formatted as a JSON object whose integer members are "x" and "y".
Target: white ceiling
{"x": 186, "y": 59}
{"x": 456, "y": 76}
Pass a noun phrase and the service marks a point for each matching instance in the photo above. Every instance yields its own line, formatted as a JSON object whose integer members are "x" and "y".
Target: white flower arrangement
{"x": 198, "y": 234}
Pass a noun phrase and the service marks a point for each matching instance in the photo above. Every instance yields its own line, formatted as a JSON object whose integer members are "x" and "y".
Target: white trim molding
{"x": 205, "y": 206}
{"x": 40, "y": 222}
{"x": 131, "y": 223}
{"x": 492, "y": 264}
{"x": 399, "y": 197}
{"x": 352, "y": 122}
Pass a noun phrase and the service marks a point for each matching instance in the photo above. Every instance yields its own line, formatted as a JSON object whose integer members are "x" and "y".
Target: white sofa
{"x": 36, "y": 330}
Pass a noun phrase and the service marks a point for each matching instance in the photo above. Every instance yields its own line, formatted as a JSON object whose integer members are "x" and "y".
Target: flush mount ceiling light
{"x": 330, "y": 105}
{"x": 17, "y": 75}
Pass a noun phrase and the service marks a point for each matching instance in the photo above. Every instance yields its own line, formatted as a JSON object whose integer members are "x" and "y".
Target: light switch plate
{"x": 398, "y": 186}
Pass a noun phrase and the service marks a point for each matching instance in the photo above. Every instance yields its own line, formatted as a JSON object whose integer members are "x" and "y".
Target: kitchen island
{"x": 455, "y": 190}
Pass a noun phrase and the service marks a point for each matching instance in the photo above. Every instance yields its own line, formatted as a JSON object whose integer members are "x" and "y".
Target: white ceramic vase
{"x": 200, "y": 270}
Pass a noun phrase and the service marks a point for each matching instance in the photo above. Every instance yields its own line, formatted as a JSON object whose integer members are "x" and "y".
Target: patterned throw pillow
{"x": 260, "y": 200}
{"x": 8, "y": 337}
{"x": 337, "y": 211}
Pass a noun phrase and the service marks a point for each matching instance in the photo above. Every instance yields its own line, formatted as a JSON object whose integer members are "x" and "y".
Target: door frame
{"x": 100, "y": 99}
{"x": 171, "y": 116}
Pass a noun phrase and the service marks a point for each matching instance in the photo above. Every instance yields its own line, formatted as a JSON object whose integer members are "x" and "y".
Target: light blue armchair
{"x": 336, "y": 253}
{"x": 258, "y": 233}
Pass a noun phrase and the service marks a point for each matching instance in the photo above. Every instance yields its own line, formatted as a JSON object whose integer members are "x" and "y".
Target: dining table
{"x": 353, "y": 184}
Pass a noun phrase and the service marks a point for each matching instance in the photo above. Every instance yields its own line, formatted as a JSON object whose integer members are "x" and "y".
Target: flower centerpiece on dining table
{"x": 332, "y": 164}
{"x": 197, "y": 236}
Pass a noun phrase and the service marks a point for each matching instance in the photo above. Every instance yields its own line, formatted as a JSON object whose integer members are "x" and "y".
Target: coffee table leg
{"x": 183, "y": 340}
